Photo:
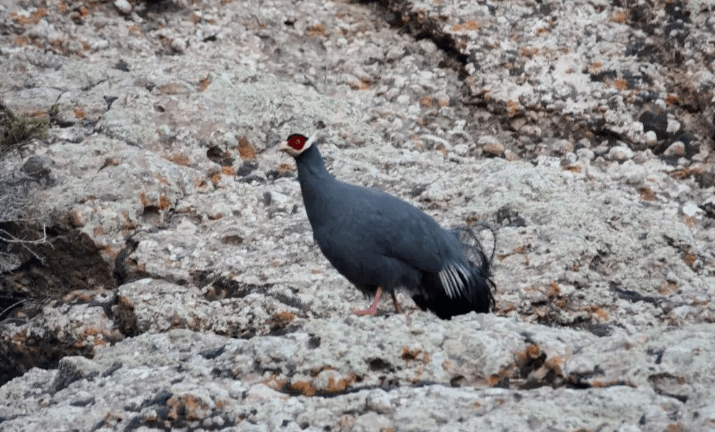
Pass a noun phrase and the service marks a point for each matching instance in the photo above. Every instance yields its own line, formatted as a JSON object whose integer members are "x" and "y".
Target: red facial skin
{"x": 297, "y": 141}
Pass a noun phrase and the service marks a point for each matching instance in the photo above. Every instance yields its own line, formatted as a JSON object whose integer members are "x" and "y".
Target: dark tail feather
{"x": 482, "y": 285}
{"x": 480, "y": 263}
{"x": 473, "y": 247}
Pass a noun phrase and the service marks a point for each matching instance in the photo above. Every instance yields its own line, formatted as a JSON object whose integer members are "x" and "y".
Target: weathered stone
{"x": 159, "y": 157}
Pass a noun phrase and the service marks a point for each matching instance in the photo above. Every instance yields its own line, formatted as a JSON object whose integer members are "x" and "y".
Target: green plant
{"x": 18, "y": 130}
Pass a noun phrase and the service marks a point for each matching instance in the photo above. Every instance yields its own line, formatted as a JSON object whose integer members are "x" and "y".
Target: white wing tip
{"x": 453, "y": 284}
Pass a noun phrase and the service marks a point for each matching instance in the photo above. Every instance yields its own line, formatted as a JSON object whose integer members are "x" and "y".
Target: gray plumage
{"x": 377, "y": 240}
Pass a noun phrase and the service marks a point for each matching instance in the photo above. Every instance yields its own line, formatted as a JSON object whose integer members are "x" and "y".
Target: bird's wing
{"x": 404, "y": 232}
{"x": 413, "y": 237}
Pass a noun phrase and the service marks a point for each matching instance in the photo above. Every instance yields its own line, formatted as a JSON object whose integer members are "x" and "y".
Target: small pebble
{"x": 620, "y": 153}
{"x": 675, "y": 149}
{"x": 123, "y": 6}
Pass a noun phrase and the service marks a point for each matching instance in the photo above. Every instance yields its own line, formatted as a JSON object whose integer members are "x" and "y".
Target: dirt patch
{"x": 67, "y": 262}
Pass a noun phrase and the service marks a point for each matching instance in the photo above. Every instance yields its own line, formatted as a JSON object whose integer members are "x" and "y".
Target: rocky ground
{"x": 179, "y": 287}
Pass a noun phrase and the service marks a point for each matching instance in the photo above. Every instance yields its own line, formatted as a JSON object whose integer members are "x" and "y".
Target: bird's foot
{"x": 373, "y": 309}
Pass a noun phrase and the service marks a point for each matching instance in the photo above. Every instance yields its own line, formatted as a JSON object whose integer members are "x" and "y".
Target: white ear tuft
{"x": 313, "y": 138}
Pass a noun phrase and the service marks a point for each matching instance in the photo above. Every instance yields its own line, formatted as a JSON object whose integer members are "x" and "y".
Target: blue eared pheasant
{"x": 381, "y": 243}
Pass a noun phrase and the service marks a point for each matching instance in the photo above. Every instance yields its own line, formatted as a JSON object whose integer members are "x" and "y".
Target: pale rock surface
{"x": 181, "y": 287}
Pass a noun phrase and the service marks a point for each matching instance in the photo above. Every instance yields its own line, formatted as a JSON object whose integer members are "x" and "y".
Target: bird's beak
{"x": 283, "y": 146}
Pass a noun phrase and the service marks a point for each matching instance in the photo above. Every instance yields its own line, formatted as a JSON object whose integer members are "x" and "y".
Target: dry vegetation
{"x": 16, "y": 185}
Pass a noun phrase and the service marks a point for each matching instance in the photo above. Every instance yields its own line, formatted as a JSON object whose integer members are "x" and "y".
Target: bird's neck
{"x": 316, "y": 183}
{"x": 311, "y": 166}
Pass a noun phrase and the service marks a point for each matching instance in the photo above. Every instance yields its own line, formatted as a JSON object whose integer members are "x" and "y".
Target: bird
{"x": 381, "y": 243}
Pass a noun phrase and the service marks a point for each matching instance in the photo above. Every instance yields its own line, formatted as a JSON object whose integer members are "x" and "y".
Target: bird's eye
{"x": 296, "y": 141}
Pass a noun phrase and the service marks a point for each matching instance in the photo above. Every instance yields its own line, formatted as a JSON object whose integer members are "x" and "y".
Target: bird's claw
{"x": 371, "y": 312}
{"x": 373, "y": 309}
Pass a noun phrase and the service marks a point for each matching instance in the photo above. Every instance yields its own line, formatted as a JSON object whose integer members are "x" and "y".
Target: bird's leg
{"x": 398, "y": 309}
{"x": 373, "y": 309}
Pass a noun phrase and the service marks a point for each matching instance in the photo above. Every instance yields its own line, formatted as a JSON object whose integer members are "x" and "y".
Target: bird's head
{"x": 297, "y": 144}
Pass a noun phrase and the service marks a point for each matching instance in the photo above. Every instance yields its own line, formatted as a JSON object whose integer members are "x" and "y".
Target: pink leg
{"x": 398, "y": 309}
{"x": 373, "y": 309}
